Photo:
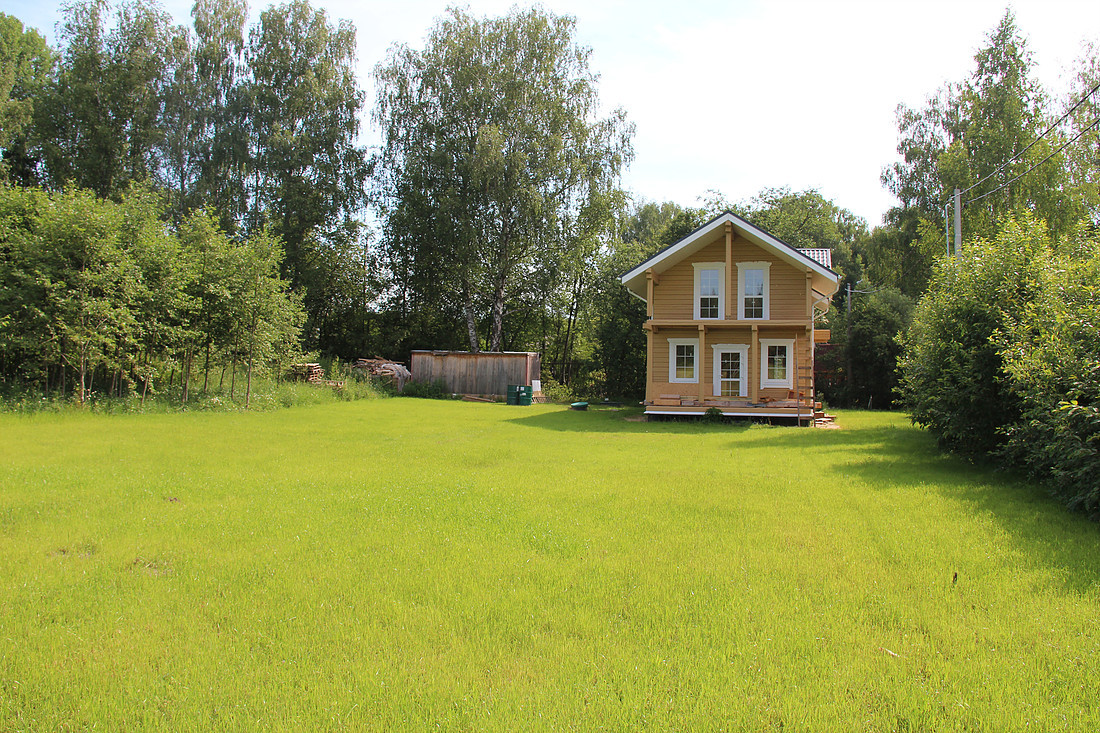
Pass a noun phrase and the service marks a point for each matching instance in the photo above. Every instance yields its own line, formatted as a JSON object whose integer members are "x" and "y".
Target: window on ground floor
{"x": 683, "y": 360}
{"x": 777, "y": 363}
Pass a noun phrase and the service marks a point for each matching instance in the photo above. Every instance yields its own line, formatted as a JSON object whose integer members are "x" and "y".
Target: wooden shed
{"x": 481, "y": 373}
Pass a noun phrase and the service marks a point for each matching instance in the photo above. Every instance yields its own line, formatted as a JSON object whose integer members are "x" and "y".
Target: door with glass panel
{"x": 729, "y": 372}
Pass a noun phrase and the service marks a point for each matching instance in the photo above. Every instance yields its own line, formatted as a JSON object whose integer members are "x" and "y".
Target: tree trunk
{"x": 206, "y": 368}
{"x": 497, "y": 313}
{"x": 233, "y": 368}
{"x": 252, "y": 343}
{"x": 471, "y": 322}
{"x": 185, "y": 373}
{"x": 145, "y": 379}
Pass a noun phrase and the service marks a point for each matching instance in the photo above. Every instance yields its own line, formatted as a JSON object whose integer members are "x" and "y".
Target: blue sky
{"x": 737, "y": 96}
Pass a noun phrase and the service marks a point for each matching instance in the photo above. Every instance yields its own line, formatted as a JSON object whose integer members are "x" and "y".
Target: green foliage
{"x": 953, "y": 377}
{"x": 1084, "y": 133}
{"x": 611, "y": 321}
{"x": 497, "y": 180}
{"x": 25, "y": 65}
{"x": 555, "y": 391}
{"x": 100, "y": 295}
{"x": 435, "y": 390}
{"x": 859, "y": 366}
{"x": 303, "y": 103}
{"x": 975, "y": 136}
{"x": 1052, "y": 355}
{"x": 98, "y": 123}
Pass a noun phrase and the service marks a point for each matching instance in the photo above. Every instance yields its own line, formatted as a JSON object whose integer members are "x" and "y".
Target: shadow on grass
{"x": 907, "y": 457}
{"x": 621, "y": 420}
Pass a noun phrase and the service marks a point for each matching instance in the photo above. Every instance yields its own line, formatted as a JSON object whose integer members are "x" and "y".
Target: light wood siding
{"x": 787, "y": 285}
{"x": 659, "y": 364}
{"x": 674, "y": 296}
{"x": 803, "y": 356}
{"x": 659, "y": 367}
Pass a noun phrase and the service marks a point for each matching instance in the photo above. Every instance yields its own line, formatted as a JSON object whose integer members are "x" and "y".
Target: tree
{"x": 1083, "y": 155}
{"x": 25, "y": 65}
{"x": 974, "y": 136}
{"x": 953, "y": 374}
{"x": 99, "y": 123}
{"x": 302, "y": 104}
{"x": 220, "y": 142}
{"x": 614, "y": 319}
{"x": 494, "y": 166}
{"x": 1051, "y": 354}
{"x": 867, "y": 341}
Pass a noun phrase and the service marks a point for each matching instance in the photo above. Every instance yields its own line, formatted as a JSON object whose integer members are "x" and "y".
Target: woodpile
{"x": 306, "y": 373}
{"x": 380, "y": 368}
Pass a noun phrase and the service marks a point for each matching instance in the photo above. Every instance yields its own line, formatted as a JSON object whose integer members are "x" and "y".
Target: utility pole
{"x": 958, "y": 223}
{"x": 848, "y": 344}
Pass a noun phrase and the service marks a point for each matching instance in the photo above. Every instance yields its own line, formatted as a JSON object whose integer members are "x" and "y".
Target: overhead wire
{"x": 1016, "y": 157}
{"x": 1069, "y": 142}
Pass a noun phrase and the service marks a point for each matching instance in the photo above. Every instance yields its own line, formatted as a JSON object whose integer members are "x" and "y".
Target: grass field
{"x": 408, "y": 564}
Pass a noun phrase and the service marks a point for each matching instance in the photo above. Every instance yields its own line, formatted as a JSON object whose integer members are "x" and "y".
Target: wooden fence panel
{"x": 477, "y": 374}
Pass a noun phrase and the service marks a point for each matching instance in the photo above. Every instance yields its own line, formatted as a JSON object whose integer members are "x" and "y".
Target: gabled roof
{"x": 824, "y": 280}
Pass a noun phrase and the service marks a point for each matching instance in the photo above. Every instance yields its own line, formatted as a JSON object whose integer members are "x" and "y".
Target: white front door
{"x": 730, "y": 377}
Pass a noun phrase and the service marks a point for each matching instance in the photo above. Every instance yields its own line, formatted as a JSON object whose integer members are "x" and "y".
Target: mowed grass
{"x": 407, "y": 565}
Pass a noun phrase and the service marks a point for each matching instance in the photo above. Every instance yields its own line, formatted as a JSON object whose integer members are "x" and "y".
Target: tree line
{"x": 492, "y": 215}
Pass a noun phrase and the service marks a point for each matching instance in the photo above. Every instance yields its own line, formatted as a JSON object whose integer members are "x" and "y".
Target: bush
{"x": 1053, "y": 356}
{"x": 1003, "y": 358}
{"x": 436, "y": 390}
{"x": 556, "y": 391}
{"x": 952, "y": 374}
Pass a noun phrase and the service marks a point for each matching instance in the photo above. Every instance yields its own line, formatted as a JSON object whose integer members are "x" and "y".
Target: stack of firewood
{"x": 306, "y": 372}
{"x": 396, "y": 372}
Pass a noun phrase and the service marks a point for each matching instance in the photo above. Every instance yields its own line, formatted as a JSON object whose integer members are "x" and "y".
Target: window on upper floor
{"x": 710, "y": 292}
{"x": 754, "y": 290}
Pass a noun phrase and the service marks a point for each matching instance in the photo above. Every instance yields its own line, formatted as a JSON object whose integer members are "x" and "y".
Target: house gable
{"x": 707, "y": 243}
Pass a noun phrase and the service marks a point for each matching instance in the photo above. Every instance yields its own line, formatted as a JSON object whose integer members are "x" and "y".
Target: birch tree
{"x": 495, "y": 164}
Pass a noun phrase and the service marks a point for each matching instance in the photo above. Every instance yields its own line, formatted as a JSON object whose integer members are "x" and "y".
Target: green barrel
{"x": 513, "y": 394}
{"x": 523, "y": 395}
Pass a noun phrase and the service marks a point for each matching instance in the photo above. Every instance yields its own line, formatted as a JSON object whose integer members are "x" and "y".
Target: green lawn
{"x": 411, "y": 564}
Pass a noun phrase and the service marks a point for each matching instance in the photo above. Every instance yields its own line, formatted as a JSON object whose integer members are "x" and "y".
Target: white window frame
{"x": 742, "y": 268}
{"x": 766, "y": 383}
{"x": 699, "y": 268}
{"x": 743, "y": 350}
{"x": 672, "y": 344}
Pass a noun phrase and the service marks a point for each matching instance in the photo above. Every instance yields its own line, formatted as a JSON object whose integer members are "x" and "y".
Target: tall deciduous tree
{"x": 25, "y": 66}
{"x": 1083, "y": 128}
{"x": 308, "y": 173}
{"x": 975, "y": 135}
{"x": 99, "y": 122}
{"x": 495, "y": 164}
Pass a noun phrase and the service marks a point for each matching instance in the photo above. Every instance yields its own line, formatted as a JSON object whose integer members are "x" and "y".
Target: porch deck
{"x": 789, "y": 408}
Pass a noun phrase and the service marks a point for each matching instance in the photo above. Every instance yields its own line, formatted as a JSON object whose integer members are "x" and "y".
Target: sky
{"x": 741, "y": 95}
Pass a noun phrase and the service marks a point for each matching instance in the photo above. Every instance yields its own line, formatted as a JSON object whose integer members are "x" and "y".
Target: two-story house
{"x": 731, "y": 322}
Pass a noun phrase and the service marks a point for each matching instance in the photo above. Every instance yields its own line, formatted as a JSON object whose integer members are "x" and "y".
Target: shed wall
{"x": 464, "y": 372}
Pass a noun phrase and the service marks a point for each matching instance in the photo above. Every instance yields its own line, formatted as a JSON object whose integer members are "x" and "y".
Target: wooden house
{"x": 731, "y": 322}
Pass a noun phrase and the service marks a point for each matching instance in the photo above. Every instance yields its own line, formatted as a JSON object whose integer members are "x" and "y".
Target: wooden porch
{"x": 802, "y": 410}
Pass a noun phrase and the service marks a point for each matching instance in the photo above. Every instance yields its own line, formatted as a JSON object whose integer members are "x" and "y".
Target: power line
{"x": 1085, "y": 129}
{"x": 1016, "y": 157}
